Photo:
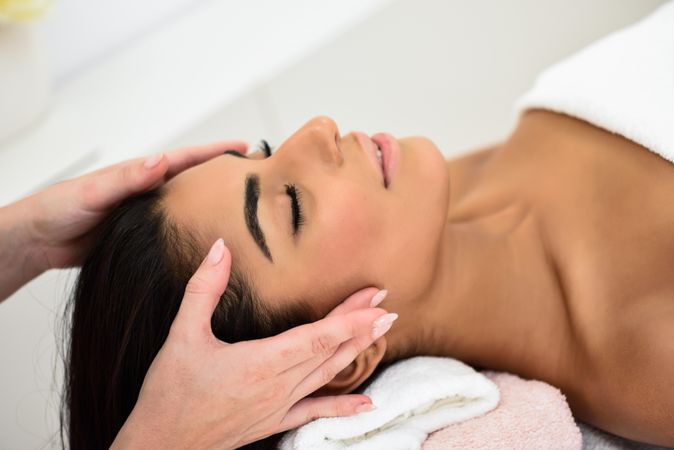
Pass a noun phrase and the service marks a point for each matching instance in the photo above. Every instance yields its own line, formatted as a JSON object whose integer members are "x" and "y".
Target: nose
{"x": 321, "y": 135}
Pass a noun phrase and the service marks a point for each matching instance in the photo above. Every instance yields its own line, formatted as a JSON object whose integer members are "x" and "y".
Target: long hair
{"x": 126, "y": 297}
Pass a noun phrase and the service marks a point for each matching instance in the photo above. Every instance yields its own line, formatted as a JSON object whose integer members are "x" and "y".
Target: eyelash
{"x": 292, "y": 192}
{"x": 296, "y": 207}
{"x": 262, "y": 146}
{"x": 265, "y": 148}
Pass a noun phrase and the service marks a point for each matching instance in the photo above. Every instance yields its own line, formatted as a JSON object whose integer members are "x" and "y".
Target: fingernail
{"x": 383, "y": 324}
{"x": 378, "y": 298}
{"x": 365, "y": 407}
{"x": 217, "y": 252}
{"x": 152, "y": 161}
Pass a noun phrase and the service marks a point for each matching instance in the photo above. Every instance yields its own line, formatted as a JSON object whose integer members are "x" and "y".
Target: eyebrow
{"x": 251, "y": 197}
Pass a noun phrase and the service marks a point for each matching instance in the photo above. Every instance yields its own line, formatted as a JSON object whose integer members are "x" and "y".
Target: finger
{"x": 312, "y": 408}
{"x": 319, "y": 339}
{"x": 104, "y": 188}
{"x": 182, "y": 159}
{"x": 202, "y": 294}
{"x": 365, "y": 298}
{"x": 321, "y": 373}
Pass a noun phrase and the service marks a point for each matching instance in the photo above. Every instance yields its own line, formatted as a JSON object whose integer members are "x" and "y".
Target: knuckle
{"x": 322, "y": 345}
{"x": 343, "y": 409}
{"x": 359, "y": 345}
{"x": 126, "y": 174}
{"x": 325, "y": 375}
{"x": 198, "y": 284}
{"x": 356, "y": 328}
{"x": 312, "y": 413}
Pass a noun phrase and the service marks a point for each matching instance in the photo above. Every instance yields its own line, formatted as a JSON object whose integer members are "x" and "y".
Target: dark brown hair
{"x": 126, "y": 297}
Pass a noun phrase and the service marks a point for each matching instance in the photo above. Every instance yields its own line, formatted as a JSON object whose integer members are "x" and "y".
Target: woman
{"x": 548, "y": 255}
{"x": 534, "y": 256}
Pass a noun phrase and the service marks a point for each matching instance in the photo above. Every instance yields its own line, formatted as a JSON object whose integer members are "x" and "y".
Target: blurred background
{"x": 84, "y": 83}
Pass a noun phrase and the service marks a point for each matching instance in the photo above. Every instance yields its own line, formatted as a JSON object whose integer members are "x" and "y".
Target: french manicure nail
{"x": 152, "y": 161}
{"x": 383, "y": 324}
{"x": 216, "y": 253}
{"x": 378, "y": 298}
{"x": 365, "y": 407}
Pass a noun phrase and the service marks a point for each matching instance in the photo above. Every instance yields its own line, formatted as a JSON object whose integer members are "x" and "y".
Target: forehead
{"x": 207, "y": 200}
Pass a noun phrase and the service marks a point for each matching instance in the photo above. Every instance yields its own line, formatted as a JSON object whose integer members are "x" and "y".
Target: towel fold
{"x": 623, "y": 83}
{"x": 531, "y": 414}
{"x": 414, "y": 397}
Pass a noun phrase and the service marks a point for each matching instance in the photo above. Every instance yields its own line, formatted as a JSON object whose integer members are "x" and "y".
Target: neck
{"x": 492, "y": 300}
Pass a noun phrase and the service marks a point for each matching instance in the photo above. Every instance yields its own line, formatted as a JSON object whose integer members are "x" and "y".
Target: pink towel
{"x": 531, "y": 414}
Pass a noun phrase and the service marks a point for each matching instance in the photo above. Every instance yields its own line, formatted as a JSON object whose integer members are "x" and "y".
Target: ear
{"x": 357, "y": 372}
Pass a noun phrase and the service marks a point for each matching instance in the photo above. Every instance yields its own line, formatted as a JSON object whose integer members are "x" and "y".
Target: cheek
{"x": 345, "y": 257}
{"x": 349, "y": 229}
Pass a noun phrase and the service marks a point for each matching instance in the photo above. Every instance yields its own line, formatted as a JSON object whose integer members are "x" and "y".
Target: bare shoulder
{"x": 610, "y": 223}
{"x": 631, "y": 393}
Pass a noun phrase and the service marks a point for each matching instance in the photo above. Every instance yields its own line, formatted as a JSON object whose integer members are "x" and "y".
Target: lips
{"x": 390, "y": 155}
{"x": 382, "y": 151}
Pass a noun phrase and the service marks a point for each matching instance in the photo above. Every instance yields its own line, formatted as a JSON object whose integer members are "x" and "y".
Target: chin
{"x": 429, "y": 172}
{"x": 426, "y": 198}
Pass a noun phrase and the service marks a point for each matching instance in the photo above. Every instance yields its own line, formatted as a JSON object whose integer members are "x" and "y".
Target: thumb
{"x": 202, "y": 294}
{"x": 312, "y": 408}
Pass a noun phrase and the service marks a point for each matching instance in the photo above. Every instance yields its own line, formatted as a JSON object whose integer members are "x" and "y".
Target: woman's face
{"x": 356, "y": 230}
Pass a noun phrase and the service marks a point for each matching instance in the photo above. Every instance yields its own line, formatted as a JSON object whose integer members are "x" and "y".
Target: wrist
{"x": 19, "y": 254}
{"x": 137, "y": 433}
{"x": 149, "y": 431}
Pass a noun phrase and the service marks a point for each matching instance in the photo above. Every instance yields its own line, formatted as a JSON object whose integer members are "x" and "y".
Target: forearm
{"x": 17, "y": 254}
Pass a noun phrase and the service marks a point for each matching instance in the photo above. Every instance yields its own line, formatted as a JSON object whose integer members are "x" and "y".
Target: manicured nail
{"x": 378, "y": 298}
{"x": 365, "y": 407}
{"x": 216, "y": 253}
{"x": 383, "y": 324}
{"x": 152, "y": 161}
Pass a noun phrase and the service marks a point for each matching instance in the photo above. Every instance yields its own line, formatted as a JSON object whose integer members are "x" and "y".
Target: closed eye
{"x": 296, "y": 215}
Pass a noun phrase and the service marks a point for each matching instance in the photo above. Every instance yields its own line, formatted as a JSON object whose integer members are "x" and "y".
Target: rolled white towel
{"x": 414, "y": 397}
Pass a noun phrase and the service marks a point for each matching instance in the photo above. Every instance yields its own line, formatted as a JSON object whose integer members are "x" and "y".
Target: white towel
{"x": 414, "y": 397}
{"x": 623, "y": 83}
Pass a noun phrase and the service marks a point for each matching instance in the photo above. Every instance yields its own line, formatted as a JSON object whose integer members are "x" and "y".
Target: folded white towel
{"x": 414, "y": 397}
{"x": 623, "y": 83}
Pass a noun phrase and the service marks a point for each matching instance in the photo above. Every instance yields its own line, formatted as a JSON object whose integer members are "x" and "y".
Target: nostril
{"x": 323, "y": 131}
{"x": 338, "y": 156}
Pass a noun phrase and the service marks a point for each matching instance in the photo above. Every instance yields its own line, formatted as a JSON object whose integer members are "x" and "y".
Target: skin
{"x": 251, "y": 389}
{"x": 557, "y": 241}
{"x": 334, "y": 177}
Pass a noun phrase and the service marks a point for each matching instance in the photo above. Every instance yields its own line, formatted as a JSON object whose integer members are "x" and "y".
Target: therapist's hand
{"x": 62, "y": 216}
{"x": 203, "y": 393}
{"x": 53, "y": 228}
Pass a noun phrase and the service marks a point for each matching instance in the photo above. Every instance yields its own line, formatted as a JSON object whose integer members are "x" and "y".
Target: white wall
{"x": 79, "y": 32}
{"x": 449, "y": 70}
